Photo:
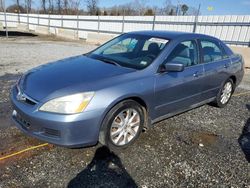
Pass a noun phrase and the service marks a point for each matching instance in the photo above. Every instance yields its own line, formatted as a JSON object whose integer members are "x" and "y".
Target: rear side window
{"x": 185, "y": 53}
{"x": 211, "y": 51}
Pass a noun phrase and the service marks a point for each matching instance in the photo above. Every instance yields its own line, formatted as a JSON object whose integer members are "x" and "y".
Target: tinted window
{"x": 185, "y": 53}
{"x": 211, "y": 51}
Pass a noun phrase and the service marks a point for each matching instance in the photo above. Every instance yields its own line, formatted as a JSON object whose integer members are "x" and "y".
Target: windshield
{"x": 130, "y": 50}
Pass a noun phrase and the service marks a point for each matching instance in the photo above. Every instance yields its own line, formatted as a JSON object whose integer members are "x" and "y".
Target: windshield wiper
{"x": 110, "y": 61}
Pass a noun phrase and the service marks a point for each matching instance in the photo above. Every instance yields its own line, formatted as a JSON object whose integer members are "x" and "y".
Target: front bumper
{"x": 77, "y": 130}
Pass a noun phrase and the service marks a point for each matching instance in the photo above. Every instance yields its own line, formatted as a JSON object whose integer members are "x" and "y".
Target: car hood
{"x": 44, "y": 80}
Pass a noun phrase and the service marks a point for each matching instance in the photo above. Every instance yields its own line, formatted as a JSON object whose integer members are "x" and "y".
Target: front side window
{"x": 185, "y": 53}
{"x": 130, "y": 50}
{"x": 211, "y": 51}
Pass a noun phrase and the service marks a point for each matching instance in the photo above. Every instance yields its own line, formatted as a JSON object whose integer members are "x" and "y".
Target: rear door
{"x": 216, "y": 66}
{"x": 175, "y": 91}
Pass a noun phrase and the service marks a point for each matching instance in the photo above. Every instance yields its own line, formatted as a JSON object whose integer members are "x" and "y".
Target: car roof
{"x": 168, "y": 34}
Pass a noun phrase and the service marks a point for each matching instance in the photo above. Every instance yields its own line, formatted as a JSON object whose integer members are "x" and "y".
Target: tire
{"x": 225, "y": 94}
{"x": 122, "y": 125}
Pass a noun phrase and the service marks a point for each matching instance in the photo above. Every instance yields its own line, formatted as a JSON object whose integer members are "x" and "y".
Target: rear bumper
{"x": 77, "y": 130}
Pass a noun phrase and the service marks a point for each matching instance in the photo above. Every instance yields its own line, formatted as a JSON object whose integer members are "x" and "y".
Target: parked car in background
{"x": 131, "y": 82}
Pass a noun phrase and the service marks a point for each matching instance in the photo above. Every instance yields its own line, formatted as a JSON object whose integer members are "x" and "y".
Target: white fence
{"x": 231, "y": 29}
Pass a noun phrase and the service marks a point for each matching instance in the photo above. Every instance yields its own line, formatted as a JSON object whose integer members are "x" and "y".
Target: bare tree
{"x": 1, "y": 6}
{"x": 167, "y": 7}
{"x": 113, "y": 11}
{"x": 92, "y": 6}
{"x": 28, "y": 4}
{"x": 51, "y": 6}
{"x": 59, "y": 6}
{"x": 149, "y": 12}
{"x": 135, "y": 7}
{"x": 18, "y": 5}
{"x": 140, "y": 6}
{"x": 14, "y": 7}
{"x": 74, "y": 6}
{"x": 128, "y": 9}
{"x": 43, "y": 5}
{"x": 66, "y": 6}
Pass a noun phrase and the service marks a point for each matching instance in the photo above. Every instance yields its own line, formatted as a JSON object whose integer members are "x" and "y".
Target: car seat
{"x": 154, "y": 49}
{"x": 208, "y": 53}
{"x": 181, "y": 54}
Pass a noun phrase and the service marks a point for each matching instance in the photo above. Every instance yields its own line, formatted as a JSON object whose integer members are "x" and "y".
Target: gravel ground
{"x": 198, "y": 148}
{"x": 22, "y": 53}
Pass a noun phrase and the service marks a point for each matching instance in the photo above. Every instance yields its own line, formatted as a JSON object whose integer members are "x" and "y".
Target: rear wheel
{"x": 122, "y": 125}
{"x": 225, "y": 94}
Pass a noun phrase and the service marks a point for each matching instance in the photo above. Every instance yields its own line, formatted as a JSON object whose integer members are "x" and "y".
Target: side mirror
{"x": 172, "y": 67}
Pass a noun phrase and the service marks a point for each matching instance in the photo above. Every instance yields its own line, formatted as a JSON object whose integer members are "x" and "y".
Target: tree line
{"x": 92, "y": 7}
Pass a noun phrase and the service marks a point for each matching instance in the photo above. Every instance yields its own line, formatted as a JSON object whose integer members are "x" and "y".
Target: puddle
{"x": 205, "y": 138}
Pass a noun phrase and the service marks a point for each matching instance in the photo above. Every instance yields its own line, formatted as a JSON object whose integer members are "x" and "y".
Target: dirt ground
{"x": 198, "y": 148}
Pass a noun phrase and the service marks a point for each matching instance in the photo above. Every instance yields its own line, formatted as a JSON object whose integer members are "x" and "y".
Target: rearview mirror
{"x": 172, "y": 67}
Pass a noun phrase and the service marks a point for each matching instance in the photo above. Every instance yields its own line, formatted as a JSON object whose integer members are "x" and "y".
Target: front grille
{"x": 51, "y": 132}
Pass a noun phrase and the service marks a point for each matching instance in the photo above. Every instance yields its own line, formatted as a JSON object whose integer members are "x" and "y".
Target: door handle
{"x": 197, "y": 74}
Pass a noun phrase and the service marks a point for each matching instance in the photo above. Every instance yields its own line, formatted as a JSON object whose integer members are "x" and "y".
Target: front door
{"x": 176, "y": 91}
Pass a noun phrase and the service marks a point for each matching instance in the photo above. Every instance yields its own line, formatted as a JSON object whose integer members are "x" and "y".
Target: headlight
{"x": 70, "y": 104}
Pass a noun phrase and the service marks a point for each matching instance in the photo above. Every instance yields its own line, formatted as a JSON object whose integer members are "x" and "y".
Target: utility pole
{"x": 123, "y": 20}
{"x": 153, "y": 25}
{"x": 5, "y": 18}
{"x": 196, "y": 18}
{"x": 77, "y": 23}
{"x": 18, "y": 12}
{"x": 27, "y": 9}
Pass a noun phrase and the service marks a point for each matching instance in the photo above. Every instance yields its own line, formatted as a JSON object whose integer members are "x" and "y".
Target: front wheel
{"x": 225, "y": 94}
{"x": 122, "y": 125}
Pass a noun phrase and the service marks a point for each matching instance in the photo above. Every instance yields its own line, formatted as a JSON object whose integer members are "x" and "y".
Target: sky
{"x": 208, "y": 7}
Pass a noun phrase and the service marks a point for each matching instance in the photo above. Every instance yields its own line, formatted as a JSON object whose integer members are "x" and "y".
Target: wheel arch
{"x": 135, "y": 98}
{"x": 234, "y": 79}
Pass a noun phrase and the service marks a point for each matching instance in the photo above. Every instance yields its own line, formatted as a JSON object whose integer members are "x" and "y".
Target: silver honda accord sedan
{"x": 131, "y": 82}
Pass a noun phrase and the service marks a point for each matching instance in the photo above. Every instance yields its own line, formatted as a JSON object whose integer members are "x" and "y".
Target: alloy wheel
{"x": 125, "y": 127}
{"x": 226, "y": 92}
